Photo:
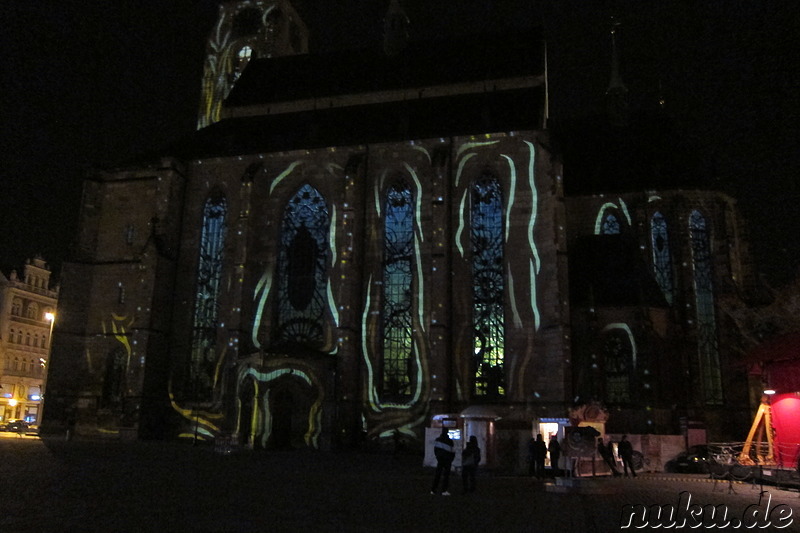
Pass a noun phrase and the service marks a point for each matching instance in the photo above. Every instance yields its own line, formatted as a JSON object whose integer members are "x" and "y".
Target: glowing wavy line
{"x": 461, "y": 224}
{"x": 512, "y": 190}
{"x": 332, "y": 305}
{"x": 266, "y": 283}
{"x": 423, "y": 150}
{"x": 420, "y": 286}
{"x": 372, "y": 393}
{"x": 534, "y": 206}
{"x": 467, "y": 146}
{"x": 461, "y": 167}
{"x": 283, "y": 174}
{"x": 598, "y": 223}
{"x": 517, "y": 319}
{"x": 624, "y": 327}
{"x": 419, "y": 200}
{"x": 625, "y": 211}
{"x": 534, "y": 307}
{"x": 332, "y": 236}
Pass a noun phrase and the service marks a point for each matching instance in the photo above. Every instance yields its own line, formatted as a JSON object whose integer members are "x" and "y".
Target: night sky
{"x": 91, "y": 84}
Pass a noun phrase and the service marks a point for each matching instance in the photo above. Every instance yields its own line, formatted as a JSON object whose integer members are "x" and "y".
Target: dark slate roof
{"x": 440, "y": 62}
{"x": 608, "y": 271}
{"x": 415, "y": 119}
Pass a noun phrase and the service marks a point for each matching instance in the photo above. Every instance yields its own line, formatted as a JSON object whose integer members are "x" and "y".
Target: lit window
{"x": 662, "y": 260}
{"x": 398, "y": 277}
{"x": 207, "y": 291}
{"x": 707, "y": 346}
{"x": 302, "y": 270}
{"x": 486, "y": 236}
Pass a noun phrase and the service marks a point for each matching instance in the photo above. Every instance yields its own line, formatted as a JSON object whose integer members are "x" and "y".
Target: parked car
{"x": 16, "y": 426}
{"x": 694, "y": 460}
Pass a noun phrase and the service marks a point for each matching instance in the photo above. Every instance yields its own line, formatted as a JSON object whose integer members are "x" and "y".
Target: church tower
{"x": 617, "y": 92}
{"x": 245, "y": 29}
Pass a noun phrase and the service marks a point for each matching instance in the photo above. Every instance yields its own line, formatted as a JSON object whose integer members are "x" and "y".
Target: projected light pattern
{"x": 610, "y": 225}
{"x": 662, "y": 261}
{"x": 486, "y": 239}
{"x": 398, "y": 275}
{"x": 704, "y": 298}
{"x": 302, "y": 270}
{"x": 207, "y": 290}
{"x": 226, "y": 57}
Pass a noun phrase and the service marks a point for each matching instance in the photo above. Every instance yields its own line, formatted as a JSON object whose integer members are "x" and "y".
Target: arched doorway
{"x": 290, "y": 403}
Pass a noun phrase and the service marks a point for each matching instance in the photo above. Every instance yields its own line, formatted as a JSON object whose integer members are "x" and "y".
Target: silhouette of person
{"x": 538, "y": 455}
{"x": 445, "y": 453}
{"x": 470, "y": 458}
{"x": 625, "y": 450}
{"x": 555, "y": 454}
{"x": 608, "y": 456}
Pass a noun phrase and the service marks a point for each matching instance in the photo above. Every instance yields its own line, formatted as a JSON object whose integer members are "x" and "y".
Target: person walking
{"x": 555, "y": 454}
{"x": 539, "y": 454}
{"x": 625, "y": 450}
{"x": 444, "y": 452}
{"x": 470, "y": 458}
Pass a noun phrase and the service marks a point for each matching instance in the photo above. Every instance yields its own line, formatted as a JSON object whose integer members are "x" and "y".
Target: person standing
{"x": 539, "y": 455}
{"x": 470, "y": 458}
{"x": 444, "y": 452}
{"x": 555, "y": 454}
{"x": 607, "y": 455}
{"x": 625, "y": 450}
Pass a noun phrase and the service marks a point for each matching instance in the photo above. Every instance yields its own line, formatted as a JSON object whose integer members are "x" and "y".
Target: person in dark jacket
{"x": 555, "y": 454}
{"x": 538, "y": 452}
{"x": 470, "y": 458}
{"x": 608, "y": 456}
{"x": 625, "y": 450}
{"x": 445, "y": 453}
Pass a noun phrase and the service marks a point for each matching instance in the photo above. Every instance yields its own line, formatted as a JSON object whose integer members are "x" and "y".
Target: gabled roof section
{"x": 472, "y": 64}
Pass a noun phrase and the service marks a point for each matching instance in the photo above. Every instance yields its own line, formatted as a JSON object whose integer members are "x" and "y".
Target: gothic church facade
{"x": 378, "y": 238}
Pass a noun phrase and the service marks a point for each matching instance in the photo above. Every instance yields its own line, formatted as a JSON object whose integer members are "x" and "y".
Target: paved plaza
{"x": 81, "y": 486}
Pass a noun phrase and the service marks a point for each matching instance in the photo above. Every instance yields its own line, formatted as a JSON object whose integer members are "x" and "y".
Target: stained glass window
{"x": 706, "y": 322}
{"x": 398, "y": 277}
{"x": 610, "y": 225}
{"x": 302, "y": 270}
{"x": 206, "y": 305}
{"x": 617, "y": 361}
{"x": 662, "y": 261}
{"x": 486, "y": 238}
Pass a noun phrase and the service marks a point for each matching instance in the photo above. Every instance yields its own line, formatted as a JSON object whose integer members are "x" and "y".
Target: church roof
{"x": 385, "y": 122}
{"x": 420, "y": 64}
{"x": 483, "y": 84}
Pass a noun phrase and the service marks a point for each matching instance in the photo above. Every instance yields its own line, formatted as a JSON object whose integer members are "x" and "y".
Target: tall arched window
{"x": 706, "y": 322}
{"x": 617, "y": 366}
{"x": 662, "y": 260}
{"x": 16, "y": 307}
{"x": 398, "y": 277}
{"x": 207, "y": 291}
{"x": 302, "y": 270}
{"x": 486, "y": 238}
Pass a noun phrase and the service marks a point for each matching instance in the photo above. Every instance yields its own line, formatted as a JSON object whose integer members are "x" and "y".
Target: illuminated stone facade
{"x": 27, "y": 309}
{"x": 372, "y": 242}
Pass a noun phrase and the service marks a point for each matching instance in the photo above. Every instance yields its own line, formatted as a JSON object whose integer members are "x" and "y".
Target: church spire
{"x": 617, "y": 93}
{"x": 395, "y": 29}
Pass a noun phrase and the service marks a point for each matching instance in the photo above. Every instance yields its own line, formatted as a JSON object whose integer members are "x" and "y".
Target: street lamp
{"x": 51, "y": 317}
